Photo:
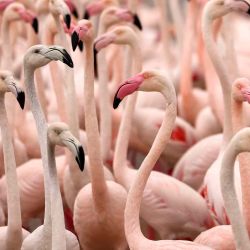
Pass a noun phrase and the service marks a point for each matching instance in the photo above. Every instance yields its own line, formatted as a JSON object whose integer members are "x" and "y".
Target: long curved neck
{"x": 104, "y": 101}
{"x": 41, "y": 126}
{"x": 121, "y": 148}
{"x": 99, "y": 187}
{"x": 221, "y": 71}
{"x": 132, "y": 226}
{"x": 57, "y": 215}
{"x": 238, "y": 123}
{"x": 14, "y": 231}
{"x": 230, "y": 198}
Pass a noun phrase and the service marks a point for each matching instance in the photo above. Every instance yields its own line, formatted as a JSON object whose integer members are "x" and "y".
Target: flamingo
{"x": 59, "y": 134}
{"x": 12, "y": 235}
{"x": 99, "y": 206}
{"x": 38, "y": 56}
{"x": 155, "y": 81}
{"x": 211, "y": 185}
{"x": 240, "y": 94}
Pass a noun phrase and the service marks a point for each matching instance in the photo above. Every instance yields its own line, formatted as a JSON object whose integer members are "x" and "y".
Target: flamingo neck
{"x": 230, "y": 197}
{"x": 14, "y": 231}
{"x": 99, "y": 187}
{"x": 222, "y": 73}
{"x": 186, "y": 82}
{"x": 41, "y": 126}
{"x": 121, "y": 148}
{"x": 104, "y": 98}
{"x": 238, "y": 123}
{"x": 57, "y": 215}
{"x": 132, "y": 225}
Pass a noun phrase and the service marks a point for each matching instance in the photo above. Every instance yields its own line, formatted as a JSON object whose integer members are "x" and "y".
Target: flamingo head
{"x": 113, "y": 15}
{"x": 58, "y": 7}
{"x": 241, "y": 90}
{"x": 40, "y": 55}
{"x": 220, "y": 8}
{"x": 8, "y": 84}
{"x": 119, "y": 35}
{"x": 59, "y": 134}
{"x": 17, "y": 11}
{"x": 145, "y": 81}
{"x": 95, "y": 8}
{"x": 83, "y": 32}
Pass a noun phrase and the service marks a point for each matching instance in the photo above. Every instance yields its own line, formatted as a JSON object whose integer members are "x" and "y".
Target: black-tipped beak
{"x": 80, "y": 45}
{"x": 248, "y": 11}
{"x": 35, "y": 25}
{"x": 67, "y": 59}
{"x": 80, "y": 158}
{"x": 95, "y": 62}
{"x": 74, "y": 40}
{"x": 75, "y": 13}
{"x": 67, "y": 20}
{"x": 21, "y": 99}
{"x": 86, "y": 15}
{"x": 137, "y": 22}
{"x": 116, "y": 102}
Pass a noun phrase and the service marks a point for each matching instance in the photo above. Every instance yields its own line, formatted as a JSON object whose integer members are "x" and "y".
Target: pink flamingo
{"x": 155, "y": 81}
{"x": 99, "y": 206}
{"x": 211, "y": 186}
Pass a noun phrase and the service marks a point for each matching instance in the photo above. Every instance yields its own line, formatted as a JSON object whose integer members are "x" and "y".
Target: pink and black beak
{"x": 16, "y": 91}
{"x": 72, "y": 8}
{"x": 75, "y": 41}
{"x": 93, "y": 9}
{"x": 127, "y": 88}
{"x": 100, "y": 43}
{"x": 29, "y": 17}
{"x": 67, "y": 20}
{"x": 137, "y": 22}
{"x": 127, "y": 15}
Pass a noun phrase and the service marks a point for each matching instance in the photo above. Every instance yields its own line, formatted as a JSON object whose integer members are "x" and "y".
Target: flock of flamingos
{"x": 127, "y": 125}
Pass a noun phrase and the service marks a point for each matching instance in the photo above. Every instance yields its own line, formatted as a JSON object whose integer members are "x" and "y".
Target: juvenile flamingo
{"x": 12, "y": 235}
{"x": 211, "y": 186}
{"x": 38, "y": 56}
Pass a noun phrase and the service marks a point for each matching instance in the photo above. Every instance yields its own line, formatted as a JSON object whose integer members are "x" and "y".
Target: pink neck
{"x": 99, "y": 187}
{"x": 132, "y": 226}
{"x": 222, "y": 73}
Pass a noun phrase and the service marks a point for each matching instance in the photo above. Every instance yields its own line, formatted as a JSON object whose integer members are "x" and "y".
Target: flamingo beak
{"x": 137, "y": 22}
{"x": 67, "y": 20}
{"x": 29, "y": 17}
{"x": 35, "y": 25}
{"x": 75, "y": 147}
{"x": 72, "y": 8}
{"x": 16, "y": 91}
{"x": 74, "y": 40}
{"x": 127, "y": 88}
